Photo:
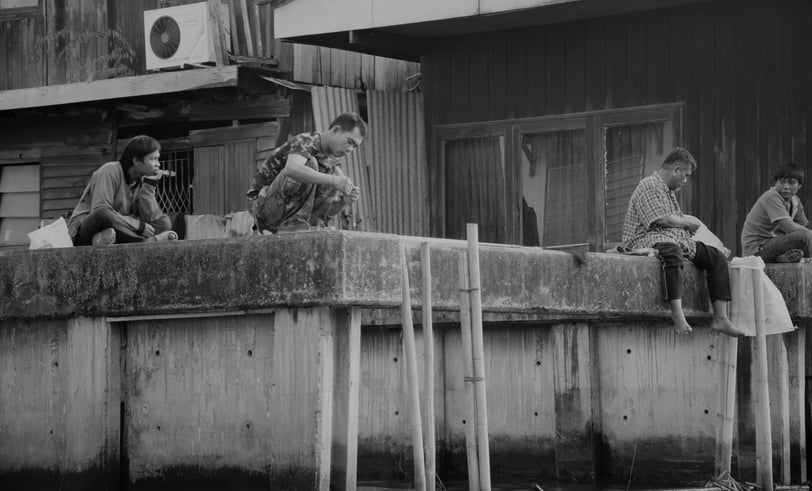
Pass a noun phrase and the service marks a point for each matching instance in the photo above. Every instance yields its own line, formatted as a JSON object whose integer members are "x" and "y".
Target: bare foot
{"x": 681, "y": 325}
{"x": 726, "y": 327}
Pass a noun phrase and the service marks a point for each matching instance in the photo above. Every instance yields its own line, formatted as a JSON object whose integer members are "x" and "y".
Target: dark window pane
{"x": 475, "y": 187}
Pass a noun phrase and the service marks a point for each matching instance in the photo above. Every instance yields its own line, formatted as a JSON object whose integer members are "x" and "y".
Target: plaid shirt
{"x": 652, "y": 200}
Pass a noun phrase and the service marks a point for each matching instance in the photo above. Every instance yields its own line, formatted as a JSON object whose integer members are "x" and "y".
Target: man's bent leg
{"x": 283, "y": 200}
{"x": 714, "y": 263}
{"x": 327, "y": 204}
{"x": 671, "y": 260}
{"x": 98, "y": 220}
{"x": 773, "y": 248}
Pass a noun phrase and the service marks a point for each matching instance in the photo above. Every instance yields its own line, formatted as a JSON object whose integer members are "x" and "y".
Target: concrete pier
{"x": 242, "y": 362}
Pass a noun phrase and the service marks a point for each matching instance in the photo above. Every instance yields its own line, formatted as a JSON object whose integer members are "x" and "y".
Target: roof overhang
{"x": 405, "y": 29}
{"x": 128, "y": 87}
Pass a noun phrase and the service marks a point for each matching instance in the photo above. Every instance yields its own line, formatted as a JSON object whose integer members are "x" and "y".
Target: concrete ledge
{"x": 338, "y": 268}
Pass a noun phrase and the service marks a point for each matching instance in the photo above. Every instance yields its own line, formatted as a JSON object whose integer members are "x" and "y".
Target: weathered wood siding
{"x": 329, "y": 66}
{"x": 68, "y": 148}
{"x": 740, "y": 67}
{"x": 26, "y": 61}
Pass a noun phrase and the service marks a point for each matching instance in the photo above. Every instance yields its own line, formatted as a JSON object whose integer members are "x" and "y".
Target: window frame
{"x": 12, "y": 12}
{"x": 621, "y": 118}
{"x": 461, "y": 132}
{"x": 550, "y": 125}
{"x": 593, "y": 123}
{"x": 19, "y": 163}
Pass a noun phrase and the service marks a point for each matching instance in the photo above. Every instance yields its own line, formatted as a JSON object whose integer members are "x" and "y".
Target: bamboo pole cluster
{"x": 476, "y": 417}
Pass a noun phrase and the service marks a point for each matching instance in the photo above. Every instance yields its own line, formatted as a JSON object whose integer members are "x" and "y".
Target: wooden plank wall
{"x": 740, "y": 67}
{"x": 68, "y": 148}
{"x": 24, "y": 63}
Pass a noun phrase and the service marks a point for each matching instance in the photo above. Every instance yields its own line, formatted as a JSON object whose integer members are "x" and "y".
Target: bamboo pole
{"x": 411, "y": 374}
{"x": 727, "y": 400}
{"x": 477, "y": 343}
{"x": 764, "y": 454}
{"x": 468, "y": 375}
{"x": 428, "y": 348}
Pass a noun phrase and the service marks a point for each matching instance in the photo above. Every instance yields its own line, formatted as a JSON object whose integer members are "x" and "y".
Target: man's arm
{"x": 677, "y": 221}
{"x": 787, "y": 225}
{"x": 148, "y": 209}
{"x": 297, "y": 169}
{"x": 104, "y": 194}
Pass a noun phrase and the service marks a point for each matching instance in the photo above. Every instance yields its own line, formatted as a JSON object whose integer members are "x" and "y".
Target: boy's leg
{"x": 715, "y": 265}
{"x": 773, "y": 249}
{"x": 99, "y": 220}
{"x": 671, "y": 260}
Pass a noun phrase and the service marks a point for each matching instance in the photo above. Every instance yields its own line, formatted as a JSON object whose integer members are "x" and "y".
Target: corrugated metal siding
{"x": 329, "y": 102}
{"x": 397, "y": 163}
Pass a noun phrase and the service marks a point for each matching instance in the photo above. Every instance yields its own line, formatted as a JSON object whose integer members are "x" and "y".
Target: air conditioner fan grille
{"x": 164, "y": 37}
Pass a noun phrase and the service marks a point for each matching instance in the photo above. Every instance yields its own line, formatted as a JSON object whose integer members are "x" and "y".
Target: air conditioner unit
{"x": 179, "y": 35}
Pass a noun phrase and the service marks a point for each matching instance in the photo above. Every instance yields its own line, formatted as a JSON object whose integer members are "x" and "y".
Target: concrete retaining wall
{"x": 229, "y": 362}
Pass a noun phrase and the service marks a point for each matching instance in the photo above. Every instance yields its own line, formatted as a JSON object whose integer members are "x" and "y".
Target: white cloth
{"x": 742, "y": 306}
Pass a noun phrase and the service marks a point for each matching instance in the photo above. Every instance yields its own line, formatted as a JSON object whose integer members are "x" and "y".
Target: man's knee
{"x": 162, "y": 224}
{"x": 670, "y": 254}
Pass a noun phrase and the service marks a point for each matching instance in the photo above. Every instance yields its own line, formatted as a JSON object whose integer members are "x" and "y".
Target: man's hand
{"x": 352, "y": 197}
{"x": 692, "y": 223}
{"x": 149, "y": 230}
{"x": 343, "y": 184}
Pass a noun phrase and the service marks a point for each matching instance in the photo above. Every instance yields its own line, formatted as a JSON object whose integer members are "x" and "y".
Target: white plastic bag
{"x": 54, "y": 235}
{"x": 704, "y": 235}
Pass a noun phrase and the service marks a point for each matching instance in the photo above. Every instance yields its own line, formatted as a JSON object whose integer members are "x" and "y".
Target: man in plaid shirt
{"x": 654, "y": 219}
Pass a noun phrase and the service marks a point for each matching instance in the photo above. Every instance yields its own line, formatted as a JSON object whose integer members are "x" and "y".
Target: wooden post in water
{"x": 764, "y": 453}
{"x": 411, "y": 375}
{"x": 477, "y": 342}
{"x": 728, "y": 348}
{"x": 428, "y": 347}
{"x": 468, "y": 374}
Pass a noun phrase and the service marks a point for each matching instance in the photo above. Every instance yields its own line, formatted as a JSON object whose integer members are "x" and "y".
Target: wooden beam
{"x": 266, "y": 106}
{"x": 216, "y": 30}
{"x": 160, "y": 83}
{"x": 216, "y": 136}
{"x": 405, "y": 47}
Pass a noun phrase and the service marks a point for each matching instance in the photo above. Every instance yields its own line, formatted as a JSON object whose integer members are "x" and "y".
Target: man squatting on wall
{"x": 118, "y": 205}
{"x": 654, "y": 219}
{"x": 301, "y": 184}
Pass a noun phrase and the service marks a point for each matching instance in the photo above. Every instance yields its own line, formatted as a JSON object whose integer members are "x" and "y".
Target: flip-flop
{"x": 791, "y": 256}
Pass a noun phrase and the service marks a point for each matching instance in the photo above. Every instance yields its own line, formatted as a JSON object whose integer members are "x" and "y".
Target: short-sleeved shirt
{"x": 652, "y": 200}
{"x": 308, "y": 145}
{"x": 761, "y": 223}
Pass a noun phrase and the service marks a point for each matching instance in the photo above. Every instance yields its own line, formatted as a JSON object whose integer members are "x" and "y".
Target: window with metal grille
{"x": 174, "y": 192}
